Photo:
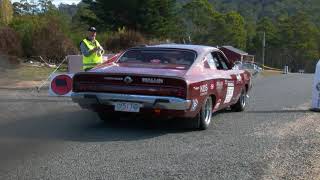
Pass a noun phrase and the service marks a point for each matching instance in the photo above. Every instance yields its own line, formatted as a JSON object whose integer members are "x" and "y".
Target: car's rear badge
{"x": 128, "y": 80}
{"x": 152, "y": 80}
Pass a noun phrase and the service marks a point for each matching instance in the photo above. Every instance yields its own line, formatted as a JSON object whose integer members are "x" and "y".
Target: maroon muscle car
{"x": 180, "y": 81}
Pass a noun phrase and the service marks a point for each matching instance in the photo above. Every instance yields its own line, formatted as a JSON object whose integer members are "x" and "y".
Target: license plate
{"x": 127, "y": 107}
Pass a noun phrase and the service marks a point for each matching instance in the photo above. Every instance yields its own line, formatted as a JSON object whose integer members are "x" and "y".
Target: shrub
{"x": 10, "y": 42}
{"x": 51, "y": 43}
{"x": 25, "y": 26}
{"x": 122, "y": 40}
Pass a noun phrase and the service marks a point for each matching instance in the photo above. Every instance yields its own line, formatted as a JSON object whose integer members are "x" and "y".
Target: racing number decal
{"x": 230, "y": 91}
{"x": 204, "y": 90}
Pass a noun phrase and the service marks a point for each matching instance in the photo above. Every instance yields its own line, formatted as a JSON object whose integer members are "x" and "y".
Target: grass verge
{"x": 26, "y": 75}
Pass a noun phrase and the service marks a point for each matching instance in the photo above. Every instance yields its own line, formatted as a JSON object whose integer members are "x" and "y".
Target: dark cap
{"x": 92, "y": 29}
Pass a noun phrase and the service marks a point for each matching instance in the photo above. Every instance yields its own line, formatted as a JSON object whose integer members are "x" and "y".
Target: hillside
{"x": 253, "y": 10}
{"x": 291, "y": 27}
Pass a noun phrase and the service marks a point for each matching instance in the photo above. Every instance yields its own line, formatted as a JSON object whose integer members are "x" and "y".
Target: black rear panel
{"x": 123, "y": 84}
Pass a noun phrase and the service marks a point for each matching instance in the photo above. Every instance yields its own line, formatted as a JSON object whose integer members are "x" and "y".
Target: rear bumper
{"x": 89, "y": 99}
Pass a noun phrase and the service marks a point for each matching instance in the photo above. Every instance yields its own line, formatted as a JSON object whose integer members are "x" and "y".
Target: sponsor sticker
{"x": 229, "y": 95}
{"x": 203, "y": 89}
{"x": 194, "y": 104}
{"x": 212, "y": 86}
{"x": 219, "y": 85}
{"x": 196, "y": 88}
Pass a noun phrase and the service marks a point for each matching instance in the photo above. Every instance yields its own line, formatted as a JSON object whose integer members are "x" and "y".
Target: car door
{"x": 236, "y": 79}
{"x": 231, "y": 85}
{"x": 223, "y": 86}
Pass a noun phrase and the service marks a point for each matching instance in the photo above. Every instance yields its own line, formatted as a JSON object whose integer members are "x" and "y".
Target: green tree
{"x": 206, "y": 26}
{"x": 152, "y": 17}
{"x": 159, "y": 18}
{"x": 6, "y": 12}
{"x": 25, "y": 7}
{"x": 115, "y": 14}
{"x": 85, "y": 16}
{"x": 45, "y": 5}
{"x": 196, "y": 18}
{"x": 298, "y": 41}
{"x": 267, "y": 26}
{"x": 234, "y": 31}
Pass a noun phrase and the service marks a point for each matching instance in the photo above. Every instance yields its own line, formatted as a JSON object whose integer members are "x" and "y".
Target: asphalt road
{"x": 51, "y": 138}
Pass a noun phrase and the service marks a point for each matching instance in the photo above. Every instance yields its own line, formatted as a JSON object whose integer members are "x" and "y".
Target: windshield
{"x": 170, "y": 57}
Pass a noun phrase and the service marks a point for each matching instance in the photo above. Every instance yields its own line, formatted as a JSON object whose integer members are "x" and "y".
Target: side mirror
{"x": 237, "y": 65}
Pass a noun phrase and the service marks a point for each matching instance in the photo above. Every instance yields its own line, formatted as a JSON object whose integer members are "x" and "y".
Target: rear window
{"x": 172, "y": 57}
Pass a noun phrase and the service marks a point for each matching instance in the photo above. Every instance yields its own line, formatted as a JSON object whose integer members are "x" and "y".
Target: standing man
{"x": 91, "y": 50}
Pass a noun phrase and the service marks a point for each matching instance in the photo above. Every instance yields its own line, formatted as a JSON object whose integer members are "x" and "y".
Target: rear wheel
{"x": 203, "y": 118}
{"x": 241, "y": 103}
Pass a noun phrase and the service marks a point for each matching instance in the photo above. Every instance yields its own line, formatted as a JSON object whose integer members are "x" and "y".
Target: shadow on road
{"x": 63, "y": 100}
{"x": 85, "y": 126}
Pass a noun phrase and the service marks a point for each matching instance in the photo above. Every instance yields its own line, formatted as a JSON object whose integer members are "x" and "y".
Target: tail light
{"x": 181, "y": 93}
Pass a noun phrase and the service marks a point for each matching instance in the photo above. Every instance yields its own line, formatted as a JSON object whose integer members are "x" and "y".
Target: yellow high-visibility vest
{"x": 94, "y": 59}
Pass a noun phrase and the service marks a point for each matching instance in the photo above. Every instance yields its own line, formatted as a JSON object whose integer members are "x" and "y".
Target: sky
{"x": 57, "y": 2}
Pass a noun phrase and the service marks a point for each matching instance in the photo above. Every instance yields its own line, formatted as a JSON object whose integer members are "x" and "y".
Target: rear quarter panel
{"x": 204, "y": 83}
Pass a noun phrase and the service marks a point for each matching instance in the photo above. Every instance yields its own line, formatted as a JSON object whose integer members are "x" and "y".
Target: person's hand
{"x": 101, "y": 48}
{"x": 96, "y": 49}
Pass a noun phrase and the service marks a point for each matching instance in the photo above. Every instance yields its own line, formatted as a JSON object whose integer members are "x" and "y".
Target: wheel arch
{"x": 246, "y": 87}
{"x": 214, "y": 100}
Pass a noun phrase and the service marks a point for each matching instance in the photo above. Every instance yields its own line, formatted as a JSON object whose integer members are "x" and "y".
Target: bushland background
{"x": 31, "y": 28}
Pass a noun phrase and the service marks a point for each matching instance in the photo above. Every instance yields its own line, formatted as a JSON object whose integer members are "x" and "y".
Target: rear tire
{"x": 241, "y": 103}
{"x": 203, "y": 118}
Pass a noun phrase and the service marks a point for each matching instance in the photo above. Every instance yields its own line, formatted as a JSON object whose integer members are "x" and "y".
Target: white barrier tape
{"x": 45, "y": 81}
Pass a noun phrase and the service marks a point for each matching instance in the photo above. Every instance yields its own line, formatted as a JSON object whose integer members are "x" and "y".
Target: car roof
{"x": 198, "y": 48}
